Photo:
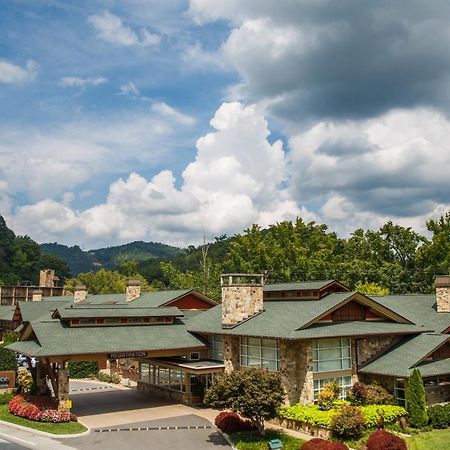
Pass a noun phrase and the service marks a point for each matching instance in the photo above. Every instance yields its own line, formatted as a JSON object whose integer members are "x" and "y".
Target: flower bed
{"x": 20, "y": 407}
{"x": 312, "y": 420}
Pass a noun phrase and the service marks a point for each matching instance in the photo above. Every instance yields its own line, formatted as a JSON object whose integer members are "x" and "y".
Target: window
{"x": 257, "y": 352}
{"x": 87, "y": 322}
{"x": 195, "y": 356}
{"x": 215, "y": 350}
{"x": 162, "y": 376}
{"x": 345, "y": 383}
{"x": 332, "y": 354}
{"x": 144, "y": 373}
{"x": 112, "y": 320}
{"x": 399, "y": 391}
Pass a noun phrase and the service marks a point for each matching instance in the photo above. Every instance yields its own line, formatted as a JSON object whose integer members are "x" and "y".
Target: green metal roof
{"x": 297, "y": 285}
{"x": 32, "y": 311}
{"x": 71, "y": 312}
{"x": 7, "y": 312}
{"x": 400, "y": 361}
{"x": 56, "y": 338}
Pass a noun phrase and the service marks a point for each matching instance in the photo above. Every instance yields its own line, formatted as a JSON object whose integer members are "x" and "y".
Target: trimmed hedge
{"x": 230, "y": 422}
{"x": 322, "y": 444}
{"x": 439, "y": 416}
{"x": 83, "y": 369}
{"x": 313, "y": 416}
{"x": 382, "y": 440}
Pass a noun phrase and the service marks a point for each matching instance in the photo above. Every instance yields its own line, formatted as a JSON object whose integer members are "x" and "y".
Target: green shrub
{"x": 113, "y": 378}
{"x": 6, "y": 397}
{"x": 375, "y": 394}
{"x": 83, "y": 369}
{"x": 416, "y": 401}
{"x": 388, "y": 413}
{"x": 328, "y": 395}
{"x": 348, "y": 423}
{"x": 439, "y": 416}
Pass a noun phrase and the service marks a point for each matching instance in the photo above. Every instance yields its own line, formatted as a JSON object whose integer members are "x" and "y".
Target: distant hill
{"x": 110, "y": 257}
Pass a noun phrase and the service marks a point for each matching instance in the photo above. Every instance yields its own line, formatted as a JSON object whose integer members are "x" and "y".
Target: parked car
{"x": 22, "y": 361}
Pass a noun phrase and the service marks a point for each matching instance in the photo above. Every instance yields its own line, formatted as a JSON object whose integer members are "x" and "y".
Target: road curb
{"x": 44, "y": 433}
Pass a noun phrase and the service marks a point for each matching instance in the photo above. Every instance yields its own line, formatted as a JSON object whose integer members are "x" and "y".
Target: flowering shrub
{"x": 25, "y": 380}
{"x": 382, "y": 440}
{"x": 321, "y": 444}
{"x": 230, "y": 422}
{"x": 31, "y": 411}
{"x": 348, "y": 423}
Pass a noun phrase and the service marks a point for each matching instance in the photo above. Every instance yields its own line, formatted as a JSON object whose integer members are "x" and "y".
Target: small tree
{"x": 416, "y": 400}
{"x": 8, "y": 359}
{"x": 255, "y": 394}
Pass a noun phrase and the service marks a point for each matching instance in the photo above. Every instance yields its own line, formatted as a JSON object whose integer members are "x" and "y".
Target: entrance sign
{"x": 120, "y": 355}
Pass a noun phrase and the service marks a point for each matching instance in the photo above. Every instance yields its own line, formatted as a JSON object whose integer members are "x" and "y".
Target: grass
{"x": 252, "y": 441}
{"x": 431, "y": 440}
{"x": 54, "y": 428}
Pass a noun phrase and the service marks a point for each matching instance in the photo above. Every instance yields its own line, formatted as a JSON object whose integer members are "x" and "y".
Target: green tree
{"x": 49, "y": 261}
{"x": 371, "y": 289}
{"x": 7, "y": 357}
{"x": 255, "y": 394}
{"x": 416, "y": 400}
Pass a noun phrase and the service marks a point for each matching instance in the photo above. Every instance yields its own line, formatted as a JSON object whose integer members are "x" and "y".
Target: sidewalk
{"x": 29, "y": 438}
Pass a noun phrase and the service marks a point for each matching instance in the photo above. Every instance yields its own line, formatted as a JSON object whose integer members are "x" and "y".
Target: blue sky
{"x": 167, "y": 120}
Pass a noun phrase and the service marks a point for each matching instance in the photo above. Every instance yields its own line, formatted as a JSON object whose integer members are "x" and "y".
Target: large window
{"x": 215, "y": 348}
{"x": 331, "y": 355}
{"x": 399, "y": 391}
{"x": 345, "y": 383}
{"x": 162, "y": 376}
{"x": 257, "y": 352}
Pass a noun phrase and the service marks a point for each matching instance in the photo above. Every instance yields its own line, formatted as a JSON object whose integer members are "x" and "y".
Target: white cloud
{"x": 165, "y": 110}
{"x": 129, "y": 89}
{"x": 110, "y": 28}
{"x": 236, "y": 179}
{"x": 82, "y": 82}
{"x": 11, "y": 73}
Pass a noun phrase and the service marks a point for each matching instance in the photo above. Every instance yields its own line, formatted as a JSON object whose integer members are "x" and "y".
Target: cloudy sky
{"x": 164, "y": 120}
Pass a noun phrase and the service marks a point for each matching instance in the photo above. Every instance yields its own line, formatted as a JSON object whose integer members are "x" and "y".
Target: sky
{"x": 172, "y": 120}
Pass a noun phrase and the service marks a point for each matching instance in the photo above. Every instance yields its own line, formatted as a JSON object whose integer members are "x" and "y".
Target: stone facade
{"x": 231, "y": 352}
{"x": 371, "y": 346}
{"x": 47, "y": 278}
{"x": 437, "y": 394}
{"x": 63, "y": 386}
{"x": 296, "y": 371}
{"x": 239, "y": 302}
{"x": 443, "y": 299}
{"x": 133, "y": 290}
{"x": 79, "y": 293}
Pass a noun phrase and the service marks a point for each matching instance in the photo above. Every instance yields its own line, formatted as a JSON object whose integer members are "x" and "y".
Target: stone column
{"x": 63, "y": 385}
{"x": 231, "y": 352}
{"x": 41, "y": 372}
{"x": 296, "y": 371}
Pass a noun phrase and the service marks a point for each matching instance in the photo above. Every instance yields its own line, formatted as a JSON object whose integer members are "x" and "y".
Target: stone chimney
{"x": 37, "y": 295}
{"x": 133, "y": 290}
{"x": 442, "y": 284}
{"x": 47, "y": 278}
{"x": 242, "y": 297}
{"x": 79, "y": 293}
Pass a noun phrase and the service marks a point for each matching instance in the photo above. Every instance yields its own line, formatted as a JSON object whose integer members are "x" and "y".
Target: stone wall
{"x": 439, "y": 393}
{"x": 239, "y": 302}
{"x": 231, "y": 352}
{"x": 296, "y": 371}
{"x": 371, "y": 346}
{"x": 46, "y": 278}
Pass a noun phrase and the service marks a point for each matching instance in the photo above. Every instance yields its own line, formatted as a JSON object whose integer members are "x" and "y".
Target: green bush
{"x": 83, "y": 369}
{"x": 390, "y": 414}
{"x": 375, "y": 394}
{"x": 439, "y": 416}
{"x": 113, "y": 378}
{"x": 328, "y": 395}
{"x": 8, "y": 359}
{"x": 6, "y": 397}
{"x": 348, "y": 423}
{"x": 416, "y": 401}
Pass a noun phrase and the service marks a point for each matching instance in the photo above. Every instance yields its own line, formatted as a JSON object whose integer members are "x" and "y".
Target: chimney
{"x": 79, "y": 293}
{"x": 37, "y": 295}
{"x": 242, "y": 297}
{"x": 442, "y": 284}
{"x": 46, "y": 278}
{"x": 133, "y": 290}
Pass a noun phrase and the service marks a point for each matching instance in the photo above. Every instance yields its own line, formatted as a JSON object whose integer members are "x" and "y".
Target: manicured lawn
{"x": 252, "y": 441}
{"x": 432, "y": 440}
{"x": 55, "y": 428}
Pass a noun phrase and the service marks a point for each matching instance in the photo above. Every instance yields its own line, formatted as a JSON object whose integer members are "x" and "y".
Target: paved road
{"x": 186, "y": 437}
{"x": 5, "y": 445}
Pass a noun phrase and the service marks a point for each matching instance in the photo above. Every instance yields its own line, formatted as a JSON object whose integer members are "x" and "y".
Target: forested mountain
{"x": 110, "y": 257}
{"x": 21, "y": 259}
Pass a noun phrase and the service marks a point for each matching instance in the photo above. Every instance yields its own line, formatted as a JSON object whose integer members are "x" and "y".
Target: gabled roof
{"x": 300, "y": 285}
{"x": 55, "y": 338}
{"x": 286, "y": 320}
{"x": 31, "y": 311}
{"x": 403, "y": 358}
{"x": 7, "y": 312}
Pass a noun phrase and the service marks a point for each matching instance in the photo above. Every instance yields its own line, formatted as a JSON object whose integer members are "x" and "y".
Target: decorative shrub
{"x": 375, "y": 394}
{"x": 348, "y": 423}
{"x": 328, "y": 395}
{"x": 416, "y": 400}
{"x": 382, "y": 440}
{"x": 21, "y": 408}
{"x": 113, "y": 378}
{"x": 357, "y": 394}
{"x": 6, "y": 397}
{"x": 24, "y": 380}
{"x": 321, "y": 444}
{"x": 373, "y": 414}
{"x": 439, "y": 416}
{"x": 83, "y": 369}
{"x": 230, "y": 422}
